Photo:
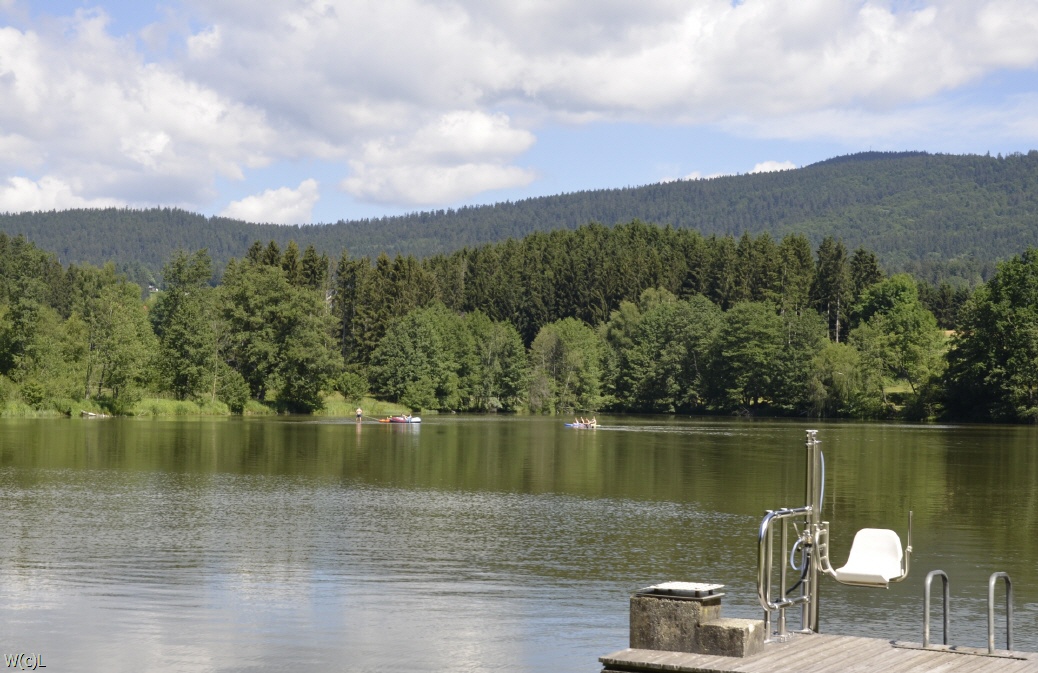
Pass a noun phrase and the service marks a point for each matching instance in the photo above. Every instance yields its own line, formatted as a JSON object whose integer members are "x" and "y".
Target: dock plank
{"x": 849, "y": 655}
{"x": 823, "y": 653}
{"x": 789, "y": 655}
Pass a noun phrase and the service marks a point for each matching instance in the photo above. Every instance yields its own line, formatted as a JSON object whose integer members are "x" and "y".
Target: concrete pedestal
{"x": 686, "y": 617}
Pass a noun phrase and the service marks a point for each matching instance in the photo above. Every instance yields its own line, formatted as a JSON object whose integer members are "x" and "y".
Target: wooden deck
{"x": 822, "y": 653}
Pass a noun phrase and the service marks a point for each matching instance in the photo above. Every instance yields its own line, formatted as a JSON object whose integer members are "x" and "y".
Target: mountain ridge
{"x": 917, "y": 211}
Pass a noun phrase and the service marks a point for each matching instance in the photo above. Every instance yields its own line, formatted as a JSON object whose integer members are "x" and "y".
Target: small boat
{"x": 400, "y": 419}
{"x": 588, "y": 426}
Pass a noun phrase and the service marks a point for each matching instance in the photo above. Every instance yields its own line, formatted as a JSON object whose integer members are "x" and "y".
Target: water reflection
{"x": 465, "y": 543}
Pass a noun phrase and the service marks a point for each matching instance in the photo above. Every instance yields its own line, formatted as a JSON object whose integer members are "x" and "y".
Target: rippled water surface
{"x": 466, "y": 543}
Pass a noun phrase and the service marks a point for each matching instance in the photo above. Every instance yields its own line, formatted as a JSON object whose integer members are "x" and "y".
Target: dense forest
{"x": 634, "y": 317}
{"x": 938, "y": 217}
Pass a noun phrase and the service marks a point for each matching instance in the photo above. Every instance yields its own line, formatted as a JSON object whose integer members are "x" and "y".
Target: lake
{"x": 469, "y": 543}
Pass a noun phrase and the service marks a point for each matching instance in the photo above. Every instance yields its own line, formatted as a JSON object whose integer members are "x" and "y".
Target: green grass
{"x": 159, "y": 407}
{"x": 167, "y": 407}
{"x": 254, "y": 408}
{"x": 335, "y": 406}
{"x": 16, "y": 408}
{"x": 76, "y": 408}
{"x": 19, "y": 409}
{"x": 163, "y": 407}
{"x": 897, "y": 387}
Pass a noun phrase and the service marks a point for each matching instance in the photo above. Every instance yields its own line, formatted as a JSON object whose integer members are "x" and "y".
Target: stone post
{"x": 686, "y": 617}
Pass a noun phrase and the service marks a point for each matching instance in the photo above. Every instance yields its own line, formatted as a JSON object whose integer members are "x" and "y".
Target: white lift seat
{"x": 875, "y": 559}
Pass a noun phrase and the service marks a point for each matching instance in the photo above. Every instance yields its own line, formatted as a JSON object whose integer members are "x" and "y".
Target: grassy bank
{"x": 334, "y": 407}
{"x": 16, "y": 408}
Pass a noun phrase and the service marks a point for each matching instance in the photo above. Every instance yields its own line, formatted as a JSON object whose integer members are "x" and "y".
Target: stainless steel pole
{"x": 813, "y": 483}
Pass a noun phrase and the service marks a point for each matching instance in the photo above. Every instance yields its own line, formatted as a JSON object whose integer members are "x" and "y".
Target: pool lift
{"x": 876, "y": 558}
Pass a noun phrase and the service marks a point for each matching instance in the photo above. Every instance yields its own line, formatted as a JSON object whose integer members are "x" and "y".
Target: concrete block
{"x": 670, "y": 624}
{"x": 731, "y": 637}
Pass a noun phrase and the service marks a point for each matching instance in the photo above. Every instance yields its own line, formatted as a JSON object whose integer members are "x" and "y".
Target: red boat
{"x": 400, "y": 419}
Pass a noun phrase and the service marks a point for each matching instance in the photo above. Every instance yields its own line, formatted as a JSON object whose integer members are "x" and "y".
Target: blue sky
{"x": 310, "y": 111}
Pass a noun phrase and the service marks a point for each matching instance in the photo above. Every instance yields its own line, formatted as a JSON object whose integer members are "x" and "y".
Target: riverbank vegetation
{"x": 627, "y": 318}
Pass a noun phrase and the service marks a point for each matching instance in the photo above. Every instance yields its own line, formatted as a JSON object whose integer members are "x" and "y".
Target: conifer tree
{"x": 183, "y": 320}
{"x": 796, "y": 274}
{"x": 314, "y": 269}
{"x": 832, "y": 290}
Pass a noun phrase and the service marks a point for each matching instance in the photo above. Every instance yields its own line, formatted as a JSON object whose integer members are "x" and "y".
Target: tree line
{"x": 939, "y": 217}
{"x": 629, "y": 318}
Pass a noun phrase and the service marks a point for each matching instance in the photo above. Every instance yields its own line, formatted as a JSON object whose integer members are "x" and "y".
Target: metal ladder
{"x": 992, "y": 581}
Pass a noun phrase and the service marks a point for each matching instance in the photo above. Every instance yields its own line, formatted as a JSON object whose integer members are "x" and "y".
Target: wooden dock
{"x": 823, "y": 653}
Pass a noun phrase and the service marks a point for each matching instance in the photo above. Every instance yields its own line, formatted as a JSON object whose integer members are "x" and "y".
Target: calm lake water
{"x": 468, "y": 543}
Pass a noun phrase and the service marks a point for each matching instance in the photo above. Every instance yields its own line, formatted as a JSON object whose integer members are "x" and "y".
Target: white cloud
{"x": 457, "y": 136}
{"x": 410, "y": 97}
{"x": 431, "y": 184}
{"x": 49, "y": 193}
{"x": 204, "y": 44}
{"x": 665, "y": 59}
{"x": 16, "y": 152}
{"x": 340, "y": 73}
{"x": 277, "y": 206}
{"x": 956, "y": 128}
{"x": 772, "y": 166}
{"x": 91, "y": 114}
{"x": 467, "y": 135}
{"x": 454, "y": 157}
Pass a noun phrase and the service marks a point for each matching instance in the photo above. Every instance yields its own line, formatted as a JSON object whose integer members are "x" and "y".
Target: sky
{"x": 314, "y": 111}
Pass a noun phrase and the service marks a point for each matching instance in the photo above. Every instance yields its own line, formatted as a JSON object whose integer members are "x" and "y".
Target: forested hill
{"x": 929, "y": 214}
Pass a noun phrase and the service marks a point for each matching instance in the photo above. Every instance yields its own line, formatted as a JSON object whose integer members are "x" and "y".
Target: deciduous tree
{"x": 183, "y": 320}
{"x": 566, "y": 368}
{"x": 993, "y": 369}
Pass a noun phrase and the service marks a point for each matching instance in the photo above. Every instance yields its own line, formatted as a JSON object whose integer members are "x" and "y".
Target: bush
{"x": 65, "y": 406}
{"x": 254, "y": 408}
{"x": 351, "y": 386}
{"x": 119, "y": 406}
{"x": 217, "y": 408}
{"x": 32, "y": 394}
{"x": 235, "y": 391}
{"x": 6, "y": 390}
{"x": 419, "y": 394}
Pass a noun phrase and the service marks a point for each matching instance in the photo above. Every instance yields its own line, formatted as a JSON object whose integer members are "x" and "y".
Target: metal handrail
{"x": 764, "y": 567}
{"x": 991, "y": 611}
{"x": 814, "y": 542}
{"x": 908, "y": 553}
{"x": 926, "y": 606}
